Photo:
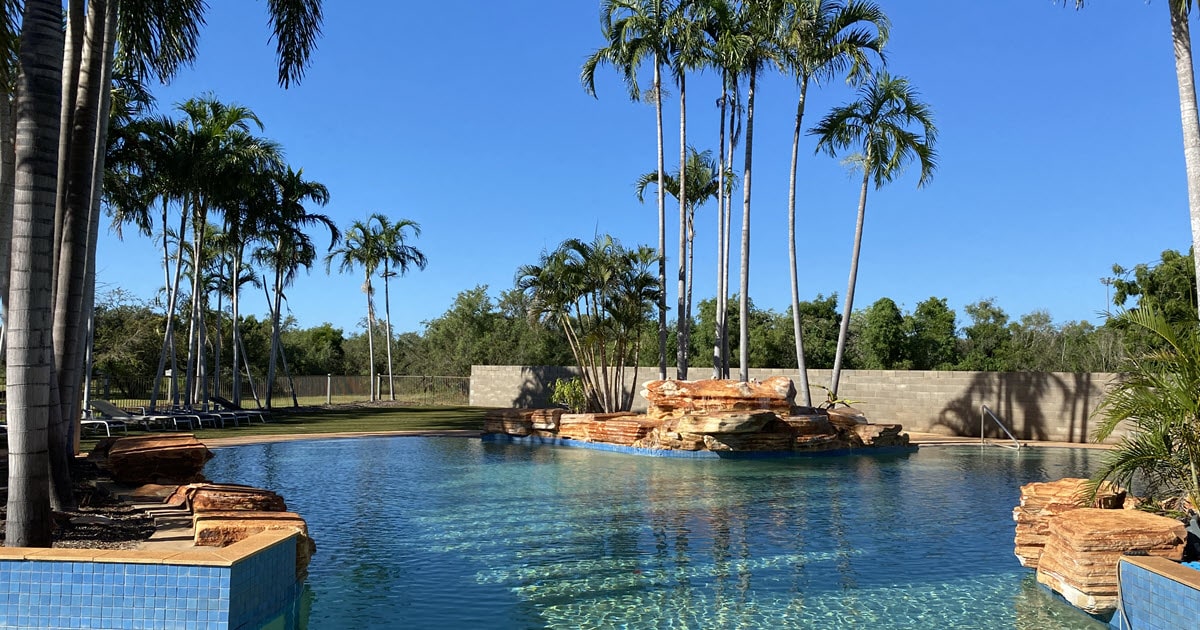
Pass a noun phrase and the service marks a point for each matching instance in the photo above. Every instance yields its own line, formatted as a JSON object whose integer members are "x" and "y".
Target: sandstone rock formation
{"x": 208, "y": 497}
{"x": 1083, "y": 546}
{"x": 157, "y": 458}
{"x": 671, "y": 398}
{"x": 712, "y": 415}
{"x": 1043, "y": 500}
{"x": 223, "y": 528}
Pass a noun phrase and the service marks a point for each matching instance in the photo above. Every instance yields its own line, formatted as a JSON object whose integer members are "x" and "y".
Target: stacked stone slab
{"x": 1083, "y": 546}
{"x": 712, "y": 415}
{"x": 154, "y": 458}
{"x": 1039, "y": 502}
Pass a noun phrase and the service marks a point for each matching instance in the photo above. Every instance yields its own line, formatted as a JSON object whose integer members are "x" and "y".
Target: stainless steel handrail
{"x": 984, "y": 412}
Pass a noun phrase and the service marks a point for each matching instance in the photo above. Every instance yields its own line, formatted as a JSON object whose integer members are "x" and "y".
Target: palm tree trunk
{"x": 8, "y": 167}
{"x": 801, "y": 368}
{"x": 30, "y": 368}
{"x": 744, "y": 280}
{"x": 691, "y": 272}
{"x": 844, "y": 330}
{"x": 370, "y": 337}
{"x": 172, "y": 298}
{"x": 662, "y": 228}
{"x": 71, "y": 254}
{"x": 249, "y": 375}
{"x": 73, "y": 54}
{"x": 681, "y": 358}
{"x": 718, "y": 370}
{"x": 387, "y": 312}
{"x": 725, "y": 256}
{"x": 235, "y": 326}
{"x": 1185, "y": 77}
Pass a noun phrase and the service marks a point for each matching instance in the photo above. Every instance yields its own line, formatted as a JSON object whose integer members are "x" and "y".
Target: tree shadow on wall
{"x": 1020, "y": 400}
{"x": 536, "y": 384}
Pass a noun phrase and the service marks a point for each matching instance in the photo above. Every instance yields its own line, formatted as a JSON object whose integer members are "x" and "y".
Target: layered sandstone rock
{"x": 623, "y": 430}
{"x": 1043, "y": 500}
{"x": 846, "y": 417}
{"x": 672, "y": 399}
{"x": 585, "y": 426}
{"x": 1083, "y": 546}
{"x": 880, "y": 435}
{"x": 157, "y": 458}
{"x": 724, "y": 422}
{"x": 515, "y": 422}
{"x": 208, "y": 497}
{"x": 545, "y": 419}
{"x": 223, "y": 528}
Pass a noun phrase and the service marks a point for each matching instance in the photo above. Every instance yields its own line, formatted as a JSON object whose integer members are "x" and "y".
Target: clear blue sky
{"x": 1060, "y": 152}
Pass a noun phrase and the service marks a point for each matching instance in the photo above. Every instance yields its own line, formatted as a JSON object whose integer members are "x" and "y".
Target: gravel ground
{"x": 99, "y": 522}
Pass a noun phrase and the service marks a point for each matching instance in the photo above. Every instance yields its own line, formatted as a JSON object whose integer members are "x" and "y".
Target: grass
{"x": 356, "y": 419}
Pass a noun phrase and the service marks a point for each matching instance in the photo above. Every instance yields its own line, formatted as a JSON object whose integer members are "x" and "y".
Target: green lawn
{"x": 341, "y": 420}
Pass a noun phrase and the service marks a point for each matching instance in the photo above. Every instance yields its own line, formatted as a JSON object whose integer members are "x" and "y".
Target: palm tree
{"x": 1156, "y": 396}
{"x": 877, "y": 126}
{"x": 703, "y": 181}
{"x": 759, "y": 20}
{"x": 597, "y": 293}
{"x": 685, "y": 34}
{"x": 288, "y": 247}
{"x": 360, "y": 247}
{"x": 823, "y": 39}
{"x": 29, "y": 373}
{"x": 637, "y": 30}
{"x": 725, "y": 46}
{"x": 396, "y": 251}
{"x": 1185, "y": 78}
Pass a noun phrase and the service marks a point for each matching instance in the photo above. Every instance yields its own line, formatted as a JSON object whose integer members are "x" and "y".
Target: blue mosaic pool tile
{"x": 60, "y": 594}
{"x": 1150, "y": 601}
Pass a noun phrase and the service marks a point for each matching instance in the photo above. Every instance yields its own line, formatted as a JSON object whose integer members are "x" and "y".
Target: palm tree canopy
{"x": 826, "y": 38}
{"x": 877, "y": 125}
{"x": 635, "y": 31}
{"x": 702, "y": 180}
{"x": 394, "y": 248}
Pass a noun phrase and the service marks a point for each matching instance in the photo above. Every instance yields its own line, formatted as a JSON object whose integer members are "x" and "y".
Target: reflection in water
{"x": 451, "y": 533}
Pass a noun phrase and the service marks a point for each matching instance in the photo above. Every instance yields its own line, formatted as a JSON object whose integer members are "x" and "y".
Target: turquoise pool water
{"x": 457, "y": 533}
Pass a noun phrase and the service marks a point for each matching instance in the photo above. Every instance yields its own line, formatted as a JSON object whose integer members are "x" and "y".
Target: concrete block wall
{"x": 1035, "y": 405}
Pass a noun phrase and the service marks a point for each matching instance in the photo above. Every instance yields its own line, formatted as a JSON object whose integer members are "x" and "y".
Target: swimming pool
{"x": 454, "y": 533}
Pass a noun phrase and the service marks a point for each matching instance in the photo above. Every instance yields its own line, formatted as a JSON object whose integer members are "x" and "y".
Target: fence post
{"x": 329, "y": 389}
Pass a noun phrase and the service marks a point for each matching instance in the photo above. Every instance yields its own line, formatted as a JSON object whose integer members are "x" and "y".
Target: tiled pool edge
{"x": 502, "y": 438}
{"x": 250, "y": 584}
{"x": 1156, "y": 594}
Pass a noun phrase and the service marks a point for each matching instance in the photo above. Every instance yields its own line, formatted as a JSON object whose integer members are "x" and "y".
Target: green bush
{"x": 569, "y": 393}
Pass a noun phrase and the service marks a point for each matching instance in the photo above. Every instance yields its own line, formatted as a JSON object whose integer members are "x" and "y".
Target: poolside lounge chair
{"x": 228, "y": 405}
{"x": 89, "y": 420}
{"x": 146, "y": 420}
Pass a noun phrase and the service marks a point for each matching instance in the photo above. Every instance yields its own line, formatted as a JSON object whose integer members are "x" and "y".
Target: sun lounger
{"x": 106, "y": 423}
{"x": 146, "y": 420}
{"x": 227, "y": 405}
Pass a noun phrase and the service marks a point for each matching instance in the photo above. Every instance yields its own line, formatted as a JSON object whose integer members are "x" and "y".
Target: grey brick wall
{"x": 1035, "y": 405}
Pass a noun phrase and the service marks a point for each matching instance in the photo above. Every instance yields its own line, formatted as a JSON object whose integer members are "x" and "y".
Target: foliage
{"x": 599, "y": 294}
{"x": 1156, "y": 397}
{"x": 1169, "y": 286}
{"x": 316, "y": 350}
{"x": 987, "y": 338}
{"x": 932, "y": 336}
{"x": 882, "y": 339}
{"x": 570, "y": 393}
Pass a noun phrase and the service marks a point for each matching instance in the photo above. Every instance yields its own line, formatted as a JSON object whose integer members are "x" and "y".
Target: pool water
{"x": 458, "y": 533}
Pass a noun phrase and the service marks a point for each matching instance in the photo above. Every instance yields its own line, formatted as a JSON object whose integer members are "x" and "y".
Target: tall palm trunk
{"x": 801, "y": 367}
{"x": 731, "y": 144}
{"x": 1184, "y": 75}
{"x": 844, "y": 330}
{"x": 8, "y": 167}
{"x": 387, "y": 314}
{"x": 370, "y": 337}
{"x": 30, "y": 365}
{"x": 744, "y": 280}
{"x": 235, "y": 332}
{"x": 168, "y": 346}
{"x": 681, "y": 340}
{"x": 662, "y": 228}
{"x": 72, "y": 254}
{"x": 73, "y": 55}
{"x": 275, "y": 303}
{"x": 718, "y": 371}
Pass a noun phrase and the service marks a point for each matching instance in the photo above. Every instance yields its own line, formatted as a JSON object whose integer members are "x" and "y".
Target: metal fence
{"x": 308, "y": 390}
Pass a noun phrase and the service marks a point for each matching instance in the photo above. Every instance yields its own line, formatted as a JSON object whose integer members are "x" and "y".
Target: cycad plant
{"x": 1158, "y": 398}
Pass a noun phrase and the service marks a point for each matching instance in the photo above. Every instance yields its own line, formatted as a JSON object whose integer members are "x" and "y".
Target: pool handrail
{"x": 984, "y": 412}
